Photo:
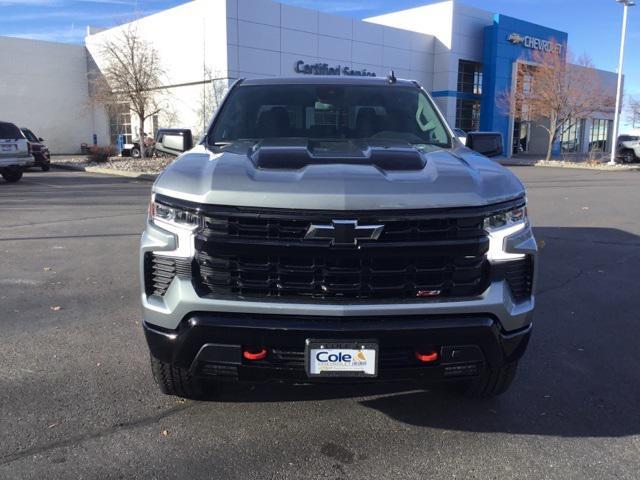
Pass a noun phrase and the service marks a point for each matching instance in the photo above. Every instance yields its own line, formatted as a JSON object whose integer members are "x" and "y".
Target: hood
{"x": 326, "y": 180}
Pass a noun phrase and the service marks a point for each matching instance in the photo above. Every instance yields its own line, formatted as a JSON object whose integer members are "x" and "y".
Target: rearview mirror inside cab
{"x": 488, "y": 144}
{"x": 174, "y": 141}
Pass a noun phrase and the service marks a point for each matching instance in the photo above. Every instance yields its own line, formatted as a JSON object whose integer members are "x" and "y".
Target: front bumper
{"x": 210, "y": 345}
{"x": 42, "y": 158}
{"x": 181, "y": 299}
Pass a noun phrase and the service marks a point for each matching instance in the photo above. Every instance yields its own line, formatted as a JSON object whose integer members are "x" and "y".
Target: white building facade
{"x": 453, "y": 50}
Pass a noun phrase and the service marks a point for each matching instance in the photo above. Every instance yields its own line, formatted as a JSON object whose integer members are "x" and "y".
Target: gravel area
{"x": 589, "y": 165}
{"x": 128, "y": 164}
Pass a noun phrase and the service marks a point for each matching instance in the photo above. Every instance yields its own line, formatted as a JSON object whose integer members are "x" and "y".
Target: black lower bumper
{"x": 210, "y": 344}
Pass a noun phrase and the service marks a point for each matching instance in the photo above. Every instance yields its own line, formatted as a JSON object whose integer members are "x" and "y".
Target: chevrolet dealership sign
{"x": 535, "y": 43}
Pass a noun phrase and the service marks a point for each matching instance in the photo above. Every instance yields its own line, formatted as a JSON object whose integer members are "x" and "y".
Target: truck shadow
{"x": 580, "y": 375}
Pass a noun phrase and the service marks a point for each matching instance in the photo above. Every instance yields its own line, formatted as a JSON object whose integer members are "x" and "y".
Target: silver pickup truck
{"x": 333, "y": 229}
{"x": 15, "y": 152}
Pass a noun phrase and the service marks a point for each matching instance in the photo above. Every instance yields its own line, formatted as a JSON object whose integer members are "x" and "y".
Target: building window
{"x": 119, "y": 123}
{"x": 570, "y": 138}
{"x": 470, "y": 77}
{"x": 598, "y": 135}
{"x": 468, "y": 114}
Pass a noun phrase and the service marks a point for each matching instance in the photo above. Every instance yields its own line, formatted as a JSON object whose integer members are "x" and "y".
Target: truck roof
{"x": 328, "y": 80}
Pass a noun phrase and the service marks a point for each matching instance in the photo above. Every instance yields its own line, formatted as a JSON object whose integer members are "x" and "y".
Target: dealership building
{"x": 465, "y": 57}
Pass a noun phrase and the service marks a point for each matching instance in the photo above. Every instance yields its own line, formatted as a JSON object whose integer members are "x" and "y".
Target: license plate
{"x": 7, "y": 148}
{"x": 348, "y": 358}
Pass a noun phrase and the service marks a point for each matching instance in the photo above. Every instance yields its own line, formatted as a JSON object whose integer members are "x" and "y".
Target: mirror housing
{"x": 488, "y": 144}
{"x": 40, "y": 139}
{"x": 173, "y": 141}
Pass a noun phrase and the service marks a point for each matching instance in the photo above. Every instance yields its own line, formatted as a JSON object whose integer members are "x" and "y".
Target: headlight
{"x": 161, "y": 213}
{"x": 501, "y": 226}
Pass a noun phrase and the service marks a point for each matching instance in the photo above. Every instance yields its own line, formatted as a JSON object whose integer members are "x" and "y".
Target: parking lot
{"x": 77, "y": 399}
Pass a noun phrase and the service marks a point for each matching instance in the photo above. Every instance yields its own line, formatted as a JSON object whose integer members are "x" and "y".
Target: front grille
{"x": 275, "y": 227}
{"x": 244, "y": 253}
{"x": 519, "y": 276}
{"x": 350, "y": 275}
{"x": 160, "y": 271}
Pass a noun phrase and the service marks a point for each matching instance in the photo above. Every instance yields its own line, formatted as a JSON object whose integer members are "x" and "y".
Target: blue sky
{"x": 593, "y": 25}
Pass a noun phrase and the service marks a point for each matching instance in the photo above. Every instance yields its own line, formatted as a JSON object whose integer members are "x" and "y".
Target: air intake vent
{"x": 160, "y": 271}
{"x": 519, "y": 275}
{"x": 352, "y": 152}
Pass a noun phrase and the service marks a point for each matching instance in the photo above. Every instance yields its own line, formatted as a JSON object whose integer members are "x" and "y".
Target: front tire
{"x": 628, "y": 157}
{"x": 492, "y": 382}
{"x": 176, "y": 381}
{"x": 135, "y": 152}
{"x": 12, "y": 175}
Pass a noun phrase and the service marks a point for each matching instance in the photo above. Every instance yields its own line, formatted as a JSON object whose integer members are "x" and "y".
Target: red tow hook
{"x": 254, "y": 353}
{"x": 427, "y": 357}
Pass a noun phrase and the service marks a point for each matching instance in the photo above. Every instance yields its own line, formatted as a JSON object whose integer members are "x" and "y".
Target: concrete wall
{"x": 458, "y": 35}
{"x": 43, "y": 86}
{"x": 267, "y": 39}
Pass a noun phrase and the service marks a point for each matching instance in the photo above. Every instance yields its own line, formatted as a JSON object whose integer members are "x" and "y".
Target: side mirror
{"x": 40, "y": 139}
{"x": 488, "y": 144}
{"x": 174, "y": 141}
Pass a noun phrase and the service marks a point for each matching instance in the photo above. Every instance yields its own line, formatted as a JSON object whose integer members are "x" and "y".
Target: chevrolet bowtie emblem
{"x": 344, "y": 232}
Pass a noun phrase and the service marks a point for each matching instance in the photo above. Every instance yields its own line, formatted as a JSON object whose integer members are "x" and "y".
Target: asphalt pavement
{"x": 77, "y": 399}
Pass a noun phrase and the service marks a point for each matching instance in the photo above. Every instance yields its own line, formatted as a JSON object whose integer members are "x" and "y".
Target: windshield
{"x": 29, "y": 134}
{"x": 329, "y": 112}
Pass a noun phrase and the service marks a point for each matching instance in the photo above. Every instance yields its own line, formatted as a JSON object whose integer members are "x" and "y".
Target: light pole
{"x": 616, "y": 114}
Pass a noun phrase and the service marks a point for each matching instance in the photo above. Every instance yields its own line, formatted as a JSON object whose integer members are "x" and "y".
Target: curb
{"x": 149, "y": 177}
{"x": 625, "y": 168}
{"x": 620, "y": 168}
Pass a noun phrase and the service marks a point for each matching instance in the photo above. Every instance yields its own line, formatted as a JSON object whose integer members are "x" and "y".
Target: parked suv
{"x": 628, "y": 148}
{"x": 39, "y": 149}
{"x": 15, "y": 152}
{"x": 335, "y": 230}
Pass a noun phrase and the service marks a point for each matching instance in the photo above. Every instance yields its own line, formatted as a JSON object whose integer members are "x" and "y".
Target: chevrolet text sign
{"x": 535, "y": 43}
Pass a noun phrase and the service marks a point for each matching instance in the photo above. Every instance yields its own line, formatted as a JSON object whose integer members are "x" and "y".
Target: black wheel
{"x": 176, "y": 381}
{"x": 12, "y": 175}
{"x": 628, "y": 157}
{"x": 135, "y": 152}
{"x": 492, "y": 382}
{"x": 45, "y": 167}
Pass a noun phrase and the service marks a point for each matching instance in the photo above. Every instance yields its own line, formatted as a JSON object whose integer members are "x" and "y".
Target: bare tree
{"x": 131, "y": 73}
{"x": 214, "y": 88}
{"x": 633, "y": 112}
{"x": 549, "y": 88}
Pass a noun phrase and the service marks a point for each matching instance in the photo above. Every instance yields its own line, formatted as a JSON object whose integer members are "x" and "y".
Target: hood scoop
{"x": 295, "y": 154}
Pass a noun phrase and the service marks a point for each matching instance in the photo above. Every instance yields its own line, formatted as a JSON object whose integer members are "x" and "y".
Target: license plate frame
{"x": 347, "y": 346}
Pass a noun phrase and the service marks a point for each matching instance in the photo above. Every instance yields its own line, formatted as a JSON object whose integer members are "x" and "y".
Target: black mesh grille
{"x": 347, "y": 276}
{"x": 160, "y": 271}
{"x": 519, "y": 275}
{"x": 247, "y": 253}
